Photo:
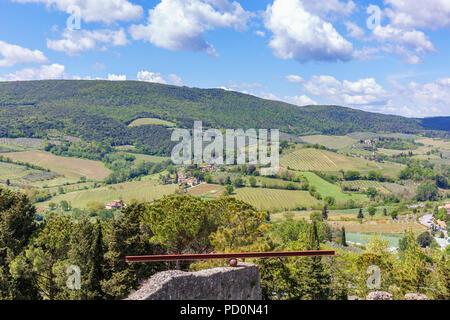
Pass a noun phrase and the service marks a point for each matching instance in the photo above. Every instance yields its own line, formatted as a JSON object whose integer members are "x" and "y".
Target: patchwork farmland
{"x": 308, "y": 159}
{"x": 71, "y": 168}
{"x": 274, "y": 199}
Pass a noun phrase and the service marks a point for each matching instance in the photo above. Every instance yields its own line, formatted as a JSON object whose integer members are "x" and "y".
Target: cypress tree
{"x": 360, "y": 214}
{"x": 316, "y": 280}
{"x": 343, "y": 237}
{"x": 325, "y": 212}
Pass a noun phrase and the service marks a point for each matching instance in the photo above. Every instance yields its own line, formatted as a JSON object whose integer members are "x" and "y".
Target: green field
{"x": 308, "y": 159}
{"x": 141, "y": 191}
{"x": 365, "y": 184}
{"x": 274, "y": 199}
{"x": 364, "y": 238}
{"x": 397, "y": 188}
{"x": 14, "y": 172}
{"x": 147, "y": 158}
{"x": 71, "y": 168}
{"x": 207, "y": 190}
{"x": 326, "y": 188}
{"x": 155, "y": 121}
{"x": 331, "y": 142}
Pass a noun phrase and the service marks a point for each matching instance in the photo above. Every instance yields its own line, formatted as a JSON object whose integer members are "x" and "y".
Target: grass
{"x": 71, "y": 168}
{"x": 380, "y": 227}
{"x": 364, "y": 238}
{"x": 435, "y": 143}
{"x": 14, "y": 172}
{"x": 397, "y": 188}
{"x": 365, "y": 184}
{"x": 274, "y": 199}
{"x": 332, "y": 142}
{"x": 141, "y": 191}
{"x": 326, "y": 188}
{"x": 333, "y": 215}
{"x": 154, "y": 121}
{"x": 206, "y": 190}
{"x": 308, "y": 159}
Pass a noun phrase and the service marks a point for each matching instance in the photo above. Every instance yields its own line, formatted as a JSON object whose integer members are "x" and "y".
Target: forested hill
{"x": 101, "y": 110}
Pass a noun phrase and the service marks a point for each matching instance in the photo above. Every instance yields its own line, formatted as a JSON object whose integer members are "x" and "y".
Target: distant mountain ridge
{"x": 101, "y": 110}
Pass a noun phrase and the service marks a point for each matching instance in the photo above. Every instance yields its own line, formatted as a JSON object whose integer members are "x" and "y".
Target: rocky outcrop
{"x": 239, "y": 283}
{"x": 415, "y": 296}
{"x": 379, "y": 295}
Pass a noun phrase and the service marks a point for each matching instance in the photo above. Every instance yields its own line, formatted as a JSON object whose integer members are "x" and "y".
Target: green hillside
{"x": 102, "y": 110}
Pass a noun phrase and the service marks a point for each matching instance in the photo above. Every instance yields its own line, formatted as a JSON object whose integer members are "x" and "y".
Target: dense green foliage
{"x": 101, "y": 110}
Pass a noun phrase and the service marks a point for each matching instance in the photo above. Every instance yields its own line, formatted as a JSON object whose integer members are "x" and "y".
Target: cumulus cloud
{"x": 174, "y": 79}
{"x": 157, "y": 77}
{"x": 303, "y": 36}
{"x": 354, "y": 30}
{"x": 14, "y": 54}
{"x": 179, "y": 25}
{"x": 148, "y": 76}
{"x": 74, "y": 42}
{"x": 357, "y": 93}
{"x": 302, "y": 100}
{"x": 106, "y": 11}
{"x": 430, "y": 14}
{"x": 325, "y": 7}
{"x": 430, "y": 98}
{"x": 413, "y": 39}
{"x": 293, "y": 78}
{"x": 45, "y": 72}
{"x": 117, "y": 77}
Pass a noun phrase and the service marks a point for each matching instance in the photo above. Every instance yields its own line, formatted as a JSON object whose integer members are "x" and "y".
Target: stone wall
{"x": 239, "y": 283}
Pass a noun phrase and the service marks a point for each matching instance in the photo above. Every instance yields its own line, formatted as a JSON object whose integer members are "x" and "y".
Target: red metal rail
{"x": 214, "y": 256}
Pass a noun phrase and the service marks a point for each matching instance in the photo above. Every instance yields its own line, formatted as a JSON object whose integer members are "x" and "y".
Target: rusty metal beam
{"x": 242, "y": 255}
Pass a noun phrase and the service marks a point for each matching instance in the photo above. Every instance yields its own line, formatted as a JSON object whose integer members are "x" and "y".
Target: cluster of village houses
{"x": 191, "y": 181}
{"x": 183, "y": 179}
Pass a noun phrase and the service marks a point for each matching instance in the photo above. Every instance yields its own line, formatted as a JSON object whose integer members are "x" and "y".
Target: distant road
{"x": 427, "y": 220}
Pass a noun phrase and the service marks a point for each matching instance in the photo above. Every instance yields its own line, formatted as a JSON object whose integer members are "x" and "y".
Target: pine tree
{"x": 17, "y": 216}
{"x": 87, "y": 252}
{"x": 127, "y": 236}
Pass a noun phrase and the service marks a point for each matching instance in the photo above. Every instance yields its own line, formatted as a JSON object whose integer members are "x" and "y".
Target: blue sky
{"x": 299, "y": 51}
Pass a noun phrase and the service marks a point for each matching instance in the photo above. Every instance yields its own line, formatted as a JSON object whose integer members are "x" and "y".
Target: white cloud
{"x": 324, "y": 7}
{"x": 431, "y": 98}
{"x": 354, "y": 30}
{"x": 74, "y": 42}
{"x": 14, "y": 54}
{"x": 180, "y": 25}
{"x": 116, "y": 77}
{"x": 413, "y": 39}
{"x": 366, "y": 53}
{"x": 174, "y": 79}
{"x": 303, "y": 36}
{"x": 106, "y": 11}
{"x": 302, "y": 100}
{"x": 45, "y": 72}
{"x": 357, "y": 93}
{"x": 294, "y": 78}
{"x": 150, "y": 77}
{"x": 430, "y": 14}
{"x": 260, "y": 33}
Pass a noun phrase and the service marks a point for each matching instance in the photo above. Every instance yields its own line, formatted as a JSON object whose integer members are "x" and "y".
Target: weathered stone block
{"x": 239, "y": 283}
